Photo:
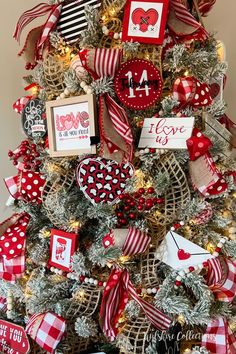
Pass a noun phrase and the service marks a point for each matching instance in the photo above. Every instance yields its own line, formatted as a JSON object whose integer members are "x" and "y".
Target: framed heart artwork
{"x": 145, "y": 21}
{"x": 72, "y": 126}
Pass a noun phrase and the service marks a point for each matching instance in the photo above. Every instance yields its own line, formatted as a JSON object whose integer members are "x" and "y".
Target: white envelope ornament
{"x": 179, "y": 253}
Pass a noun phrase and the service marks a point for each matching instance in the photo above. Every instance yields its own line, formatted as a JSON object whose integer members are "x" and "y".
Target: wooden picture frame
{"x": 62, "y": 247}
{"x": 71, "y": 125}
{"x": 145, "y": 21}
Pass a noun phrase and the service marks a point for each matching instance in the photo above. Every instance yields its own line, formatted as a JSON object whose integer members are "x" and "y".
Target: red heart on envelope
{"x": 144, "y": 18}
{"x": 182, "y": 255}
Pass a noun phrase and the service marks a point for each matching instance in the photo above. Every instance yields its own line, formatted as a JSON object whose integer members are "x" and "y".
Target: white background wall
{"x": 221, "y": 19}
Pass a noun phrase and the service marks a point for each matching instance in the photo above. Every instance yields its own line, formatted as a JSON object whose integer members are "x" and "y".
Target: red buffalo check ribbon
{"x": 221, "y": 278}
{"x": 183, "y": 23}
{"x": 37, "y": 37}
{"x": 115, "y": 298}
{"x": 219, "y": 338}
{"x": 115, "y": 131}
{"x": 47, "y": 329}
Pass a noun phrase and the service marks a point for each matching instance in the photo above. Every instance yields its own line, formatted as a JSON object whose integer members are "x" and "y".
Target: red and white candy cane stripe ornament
{"x": 13, "y": 236}
{"x": 221, "y": 278}
{"x": 190, "y": 91}
{"x": 115, "y": 298}
{"x": 219, "y": 339}
{"x": 132, "y": 241}
{"x": 47, "y": 329}
{"x": 115, "y": 131}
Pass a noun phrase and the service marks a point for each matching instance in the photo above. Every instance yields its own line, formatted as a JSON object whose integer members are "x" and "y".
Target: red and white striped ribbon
{"x": 115, "y": 298}
{"x": 3, "y": 304}
{"x": 106, "y": 62}
{"x": 183, "y": 14}
{"x": 205, "y": 6}
{"x": 50, "y": 24}
{"x": 221, "y": 278}
{"x": 136, "y": 242}
{"x": 30, "y": 15}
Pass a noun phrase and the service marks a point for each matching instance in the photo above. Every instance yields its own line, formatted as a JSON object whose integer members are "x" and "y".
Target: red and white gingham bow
{"x": 221, "y": 278}
{"x": 219, "y": 338}
{"x": 39, "y": 35}
{"x": 47, "y": 329}
{"x": 115, "y": 298}
{"x": 115, "y": 131}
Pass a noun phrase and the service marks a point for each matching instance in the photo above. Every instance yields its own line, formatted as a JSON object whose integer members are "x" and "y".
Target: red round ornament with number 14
{"x": 138, "y": 84}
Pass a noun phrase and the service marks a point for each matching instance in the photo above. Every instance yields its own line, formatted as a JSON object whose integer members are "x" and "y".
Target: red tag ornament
{"x": 102, "y": 180}
{"x": 13, "y": 339}
{"x": 138, "y": 84}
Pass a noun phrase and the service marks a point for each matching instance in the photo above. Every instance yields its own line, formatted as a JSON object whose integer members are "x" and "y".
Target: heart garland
{"x": 102, "y": 180}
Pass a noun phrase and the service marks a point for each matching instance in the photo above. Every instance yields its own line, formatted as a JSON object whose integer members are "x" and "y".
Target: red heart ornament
{"x": 102, "y": 180}
{"x": 182, "y": 255}
{"x": 144, "y": 18}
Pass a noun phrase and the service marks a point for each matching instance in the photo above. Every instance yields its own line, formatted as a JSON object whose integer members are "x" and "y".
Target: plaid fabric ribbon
{"x": 37, "y": 37}
{"x": 115, "y": 298}
{"x": 12, "y": 246}
{"x": 47, "y": 330}
{"x": 221, "y": 278}
{"x": 115, "y": 131}
{"x": 183, "y": 23}
{"x": 219, "y": 338}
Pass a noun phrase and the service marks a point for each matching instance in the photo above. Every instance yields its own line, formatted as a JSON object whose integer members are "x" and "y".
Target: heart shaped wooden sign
{"x": 102, "y": 180}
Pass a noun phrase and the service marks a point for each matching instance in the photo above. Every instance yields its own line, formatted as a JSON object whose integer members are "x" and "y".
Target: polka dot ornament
{"x": 189, "y": 90}
{"x": 31, "y": 186}
{"x": 198, "y": 144}
{"x": 13, "y": 235}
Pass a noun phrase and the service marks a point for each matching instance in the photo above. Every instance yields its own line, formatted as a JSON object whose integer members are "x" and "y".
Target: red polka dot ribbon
{"x": 198, "y": 144}
{"x": 12, "y": 240}
{"x": 190, "y": 91}
{"x": 31, "y": 186}
{"x": 115, "y": 298}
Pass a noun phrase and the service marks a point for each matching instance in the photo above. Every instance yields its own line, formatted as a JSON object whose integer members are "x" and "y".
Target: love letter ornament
{"x": 138, "y": 84}
{"x": 145, "y": 21}
{"x": 102, "y": 180}
{"x": 179, "y": 253}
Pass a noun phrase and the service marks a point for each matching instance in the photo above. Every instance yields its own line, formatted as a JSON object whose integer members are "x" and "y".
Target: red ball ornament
{"x": 191, "y": 269}
{"x": 218, "y": 249}
{"x": 205, "y": 264}
{"x": 15, "y": 163}
{"x": 10, "y": 153}
{"x": 140, "y": 207}
{"x": 100, "y": 283}
{"x": 152, "y": 150}
{"x": 127, "y": 207}
{"x": 81, "y": 278}
{"x": 119, "y": 214}
{"x": 141, "y": 200}
{"x": 138, "y": 84}
{"x": 150, "y": 190}
{"x": 132, "y": 216}
{"x": 178, "y": 283}
{"x": 141, "y": 191}
{"x": 124, "y": 222}
{"x": 122, "y": 196}
{"x": 132, "y": 204}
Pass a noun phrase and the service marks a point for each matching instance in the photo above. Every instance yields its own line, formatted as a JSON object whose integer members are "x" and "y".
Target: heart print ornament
{"x": 144, "y": 19}
{"x": 102, "y": 180}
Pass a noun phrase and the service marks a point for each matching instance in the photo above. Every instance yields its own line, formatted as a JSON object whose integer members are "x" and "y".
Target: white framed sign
{"x": 166, "y": 133}
{"x": 71, "y": 124}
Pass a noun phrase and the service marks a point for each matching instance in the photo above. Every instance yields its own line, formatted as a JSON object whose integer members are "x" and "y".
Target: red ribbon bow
{"x": 115, "y": 298}
{"x": 115, "y": 131}
{"x": 38, "y": 36}
{"x": 219, "y": 338}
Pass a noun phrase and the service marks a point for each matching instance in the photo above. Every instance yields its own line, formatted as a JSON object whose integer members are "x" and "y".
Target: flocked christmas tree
{"x": 123, "y": 233}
